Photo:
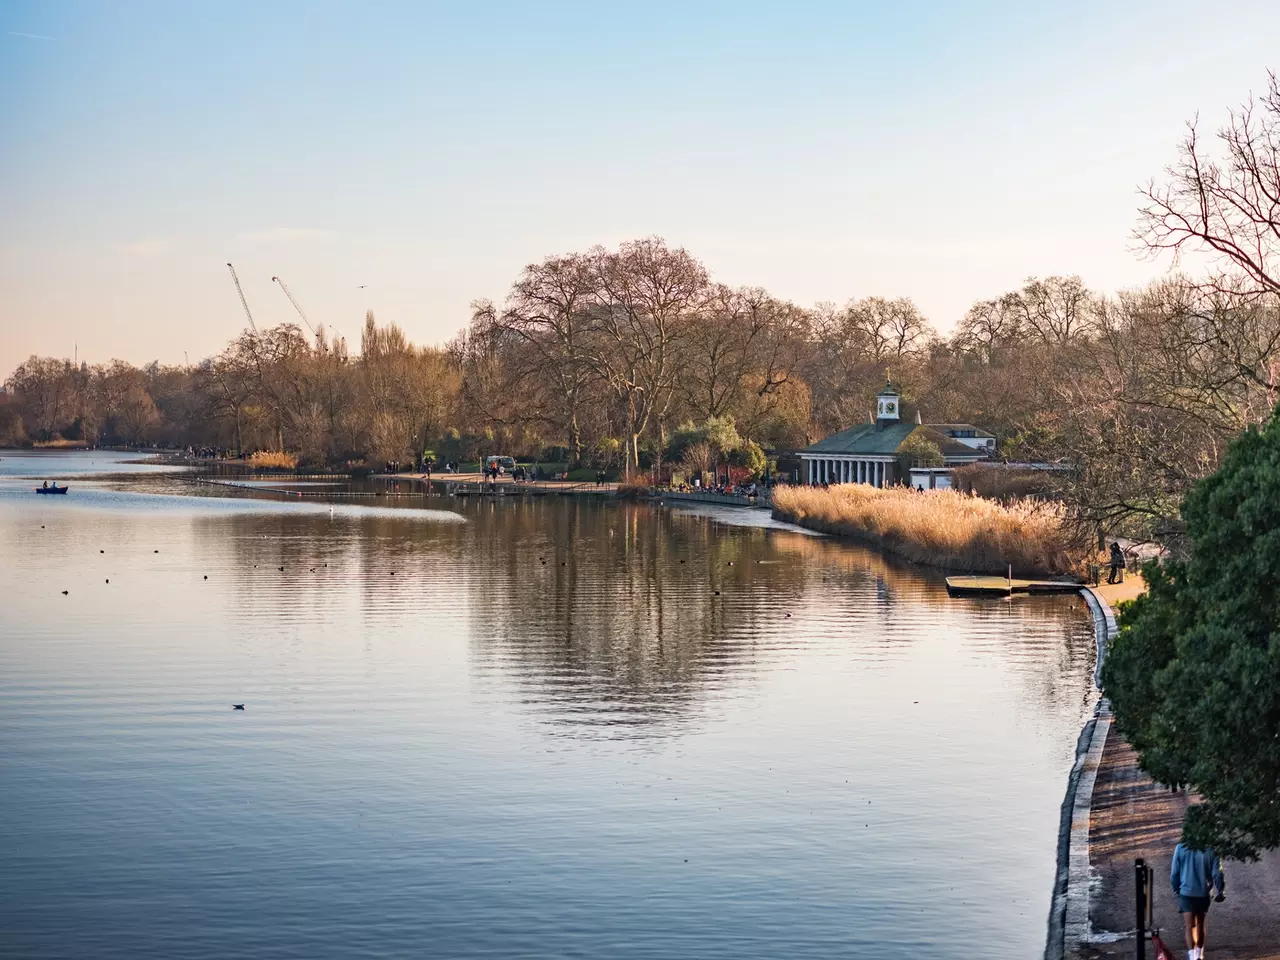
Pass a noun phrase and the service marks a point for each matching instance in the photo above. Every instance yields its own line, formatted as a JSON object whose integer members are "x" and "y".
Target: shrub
{"x": 1002, "y": 483}
{"x": 750, "y": 458}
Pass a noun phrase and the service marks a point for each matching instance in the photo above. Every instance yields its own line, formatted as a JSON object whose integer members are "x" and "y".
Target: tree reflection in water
{"x": 622, "y": 620}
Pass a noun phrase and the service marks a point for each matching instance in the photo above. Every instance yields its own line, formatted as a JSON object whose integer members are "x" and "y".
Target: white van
{"x": 507, "y": 464}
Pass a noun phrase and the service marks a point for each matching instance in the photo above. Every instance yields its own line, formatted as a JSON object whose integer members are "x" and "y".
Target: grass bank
{"x": 940, "y": 528}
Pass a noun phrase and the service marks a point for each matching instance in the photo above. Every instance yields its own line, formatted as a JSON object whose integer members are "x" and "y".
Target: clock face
{"x": 890, "y": 407}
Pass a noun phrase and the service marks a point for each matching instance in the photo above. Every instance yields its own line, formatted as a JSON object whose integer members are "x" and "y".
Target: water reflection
{"x": 534, "y": 728}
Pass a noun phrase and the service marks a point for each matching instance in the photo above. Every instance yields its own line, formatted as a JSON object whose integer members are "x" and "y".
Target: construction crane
{"x": 252, "y": 326}
{"x": 314, "y": 331}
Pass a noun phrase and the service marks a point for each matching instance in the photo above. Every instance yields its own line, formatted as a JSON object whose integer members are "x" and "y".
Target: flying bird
{"x": 237, "y": 706}
{"x": 361, "y": 286}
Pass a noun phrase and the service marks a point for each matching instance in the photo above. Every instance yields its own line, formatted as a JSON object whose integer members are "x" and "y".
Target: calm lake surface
{"x": 678, "y": 738}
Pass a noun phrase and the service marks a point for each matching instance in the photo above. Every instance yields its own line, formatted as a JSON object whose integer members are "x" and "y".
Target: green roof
{"x": 870, "y": 440}
{"x": 866, "y": 439}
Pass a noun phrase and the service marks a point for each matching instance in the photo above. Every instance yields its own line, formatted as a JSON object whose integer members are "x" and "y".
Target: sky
{"x": 412, "y": 157}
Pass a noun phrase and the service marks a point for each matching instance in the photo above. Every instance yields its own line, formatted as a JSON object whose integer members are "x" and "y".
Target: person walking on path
{"x": 1193, "y": 876}
{"x": 1117, "y": 564}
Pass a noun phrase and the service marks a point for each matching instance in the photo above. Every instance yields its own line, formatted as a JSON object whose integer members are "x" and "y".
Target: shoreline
{"x": 1068, "y": 925}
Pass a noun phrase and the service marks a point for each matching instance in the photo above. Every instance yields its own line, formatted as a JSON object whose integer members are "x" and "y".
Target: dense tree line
{"x": 617, "y": 357}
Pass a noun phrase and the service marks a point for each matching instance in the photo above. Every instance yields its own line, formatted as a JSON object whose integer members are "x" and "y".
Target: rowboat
{"x": 54, "y": 489}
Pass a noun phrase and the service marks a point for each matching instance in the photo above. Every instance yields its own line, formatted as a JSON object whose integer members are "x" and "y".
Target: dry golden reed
{"x": 941, "y": 528}
{"x": 273, "y": 459}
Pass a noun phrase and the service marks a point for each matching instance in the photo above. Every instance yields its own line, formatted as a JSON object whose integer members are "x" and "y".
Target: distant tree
{"x": 45, "y": 388}
{"x": 12, "y": 432}
{"x": 1194, "y": 674}
{"x": 698, "y": 457}
{"x": 749, "y": 456}
{"x": 990, "y": 329}
{"x": 921, "y": 451}
{"x": 546, "y": 318}
{"x": 137, "y": 415}
{"x": 1056, "y": 310}
{"x": 645, "y": 299}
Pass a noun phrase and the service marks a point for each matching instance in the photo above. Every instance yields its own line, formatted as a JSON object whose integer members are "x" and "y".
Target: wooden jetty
{"x": 1003, "y": 586}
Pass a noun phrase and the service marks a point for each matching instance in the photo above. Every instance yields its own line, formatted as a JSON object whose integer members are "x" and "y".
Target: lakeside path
{"x": 1132, "y": 817}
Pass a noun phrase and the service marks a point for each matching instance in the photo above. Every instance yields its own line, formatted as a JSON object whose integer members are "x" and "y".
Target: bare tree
{"x": 1229, "y": 209}
{"x": 546, "y": 314}
{"x": 989, "y": 328}
{"x": 644, "y": 300}
{"x": 1056, "y": 310}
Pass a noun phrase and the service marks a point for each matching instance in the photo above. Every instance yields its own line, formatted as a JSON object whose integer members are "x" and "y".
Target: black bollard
{"x": 1140, "y": 905}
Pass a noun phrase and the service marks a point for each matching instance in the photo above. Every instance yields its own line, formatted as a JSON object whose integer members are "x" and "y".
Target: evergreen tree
{"x": 1194, "y": 674}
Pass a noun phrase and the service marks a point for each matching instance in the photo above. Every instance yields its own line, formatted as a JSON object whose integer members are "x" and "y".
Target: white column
{"x": 877, "y": 472}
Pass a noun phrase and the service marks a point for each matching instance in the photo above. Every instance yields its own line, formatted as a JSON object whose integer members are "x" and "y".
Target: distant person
{"x": 1193, "y": 875}
{"x": 1117, "y": 564}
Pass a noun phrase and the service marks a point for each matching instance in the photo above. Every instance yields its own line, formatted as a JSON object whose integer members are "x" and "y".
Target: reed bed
{"x": 941, "y": 528}
{"x": 273, "y": 459}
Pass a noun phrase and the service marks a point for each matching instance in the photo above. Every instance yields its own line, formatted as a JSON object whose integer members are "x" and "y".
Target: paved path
{"x": 1132, "y": 817}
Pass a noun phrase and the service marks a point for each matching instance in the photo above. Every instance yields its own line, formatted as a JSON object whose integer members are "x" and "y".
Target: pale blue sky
{"x": 824, "y": 151}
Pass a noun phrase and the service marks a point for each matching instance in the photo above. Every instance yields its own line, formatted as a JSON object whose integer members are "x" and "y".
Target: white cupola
{"x": 887, "y": 406}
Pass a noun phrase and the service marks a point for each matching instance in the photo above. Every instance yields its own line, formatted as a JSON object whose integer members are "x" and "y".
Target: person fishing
{"x": 1193, "y": 874}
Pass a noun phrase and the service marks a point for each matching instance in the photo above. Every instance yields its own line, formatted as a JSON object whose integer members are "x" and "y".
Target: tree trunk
{"x": 575, "y": 440}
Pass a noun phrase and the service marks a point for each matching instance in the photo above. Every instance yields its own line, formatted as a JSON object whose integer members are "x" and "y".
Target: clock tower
{"x": 888, "y": 407}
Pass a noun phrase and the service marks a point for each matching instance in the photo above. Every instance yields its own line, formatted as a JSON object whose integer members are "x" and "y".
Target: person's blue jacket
{"x": 1194, "y": 873}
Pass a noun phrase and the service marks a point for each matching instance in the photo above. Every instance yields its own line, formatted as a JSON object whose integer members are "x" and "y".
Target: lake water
{"x": 677, "y": 738}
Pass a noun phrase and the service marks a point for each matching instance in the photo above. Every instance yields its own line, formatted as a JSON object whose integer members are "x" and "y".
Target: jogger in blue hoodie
{"x": 1193, "y": 875}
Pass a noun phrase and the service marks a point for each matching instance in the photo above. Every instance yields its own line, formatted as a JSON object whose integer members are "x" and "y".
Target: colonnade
{"x": 842, "y": 470}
